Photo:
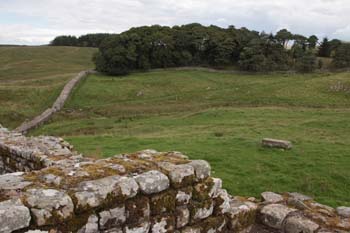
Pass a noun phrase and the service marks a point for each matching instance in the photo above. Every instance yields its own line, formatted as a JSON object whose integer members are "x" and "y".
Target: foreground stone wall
{"x": 146, "y": 191}
{"x": 57, "y": 105}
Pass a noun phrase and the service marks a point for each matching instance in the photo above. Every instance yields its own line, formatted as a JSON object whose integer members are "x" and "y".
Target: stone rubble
{"x": 52, "y": 188}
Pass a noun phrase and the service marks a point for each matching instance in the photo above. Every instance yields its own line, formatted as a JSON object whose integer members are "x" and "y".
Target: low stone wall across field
{"x": 57, "y": 106}
{"x": 52, "y": 188}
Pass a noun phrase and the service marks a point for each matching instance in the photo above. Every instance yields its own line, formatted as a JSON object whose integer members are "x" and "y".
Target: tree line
{"x": 88, "y": 40}
{"x": 149, "y": 47}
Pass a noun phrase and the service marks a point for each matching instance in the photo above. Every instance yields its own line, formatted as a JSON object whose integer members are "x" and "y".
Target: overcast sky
{"x": 39, "y": 21}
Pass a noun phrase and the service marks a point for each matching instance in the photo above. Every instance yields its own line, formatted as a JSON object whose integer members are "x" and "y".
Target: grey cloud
{"x": 321, "y": 17}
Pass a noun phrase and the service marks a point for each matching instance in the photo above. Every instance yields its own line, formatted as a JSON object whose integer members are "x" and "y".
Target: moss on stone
{"x": 164, "y": 202}
{"x": 214, "y": 223}
{"x": 195, "y": 207}
{"x": 187, "y": 191}
{"x": 167, "y": 157}
{"x": 201, "y": 191}
{"x": 137, "y": 210}
{"x": 170, "y": 223}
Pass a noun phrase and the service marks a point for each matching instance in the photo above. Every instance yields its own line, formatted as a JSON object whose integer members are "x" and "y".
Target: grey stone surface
{"x": 93, "y": 193}
{"x": 113, "y": 230}
{"x": 297, "y": 224}
{"x": 217, "y": 185}
{"x": 191, "y": 229}
{"x": 241, "y": 215}
{"x": 202, "y": 168}
{"x": 52, "y": 179}
{"x": 13, "y": 216}
{"x": 112, "y": 218}
{"x": 49, "y": 206}
{"x": 141, "y": 228}
{"x": 183, "y": 197}
{"x": 91, "y": 226}
{"x": 275, "y": 143}
{"x": 273, "y": 215}
{"x": 178, "y": 174}
{"x": 222, "y": 201}
{"x": 202, "y": 212}
{"x": 36, "y": 231}
{"x": 182, "y": 216}
{"x": 344, "y": 211}
{"x": 297, "y": 203}
{"x": 271, "y": 197}
{"x": 152, "y": 182}
{"x": 299, "y": 196}
{"x": 2, "y": 167}
{"x": 163, "y": 224}
{"x": 13, "y": 181}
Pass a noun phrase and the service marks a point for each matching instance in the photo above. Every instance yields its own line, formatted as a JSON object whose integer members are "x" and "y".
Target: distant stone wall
{"x": 146, "y": 191}
{"x": 57, "y": 106}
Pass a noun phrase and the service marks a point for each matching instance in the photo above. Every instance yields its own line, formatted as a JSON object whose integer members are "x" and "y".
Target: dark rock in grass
{"x": 275, "y": 143}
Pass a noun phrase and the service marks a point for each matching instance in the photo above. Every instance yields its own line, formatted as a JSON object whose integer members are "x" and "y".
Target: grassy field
{"x": 31, "y": 78}
{"x": 222, "y": 118}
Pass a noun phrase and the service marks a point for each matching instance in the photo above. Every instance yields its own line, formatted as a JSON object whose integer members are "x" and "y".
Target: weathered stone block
{"x": 201, "y": 168}
{"x": 152, "y": 182}
{"x": 297, "y": 224}
{"x": 112, "y": 218}
{"x": 184, "y": 195}
{"x": 91, "y": 226}
{"x": 182, "y": 216}
{"x": 222, "y": 202}
{"x": 36, "y": 231}
{"x": 201, "y": 210}
{"x": 275, "y": 143}
{"x": 143, "y": 227}
{"x": 273, "y": 215}
{"x": 163, "y": 224}
{"x": 241, "y": 215}
{"x": 49, "y": 206}
{"x": 344, "y": 211}
{"x": 179, "y": 175}
{"x": 271, "y": 197}
{"x": 94, "y": 193}
{"x": 13, "y": 216}
{"x": 13, "y": 181}
{"x": 191, "y": 229}
{"x": 52, "y": 179}
{"x": 299, "y": 196}
{"x": 113, "y": 230}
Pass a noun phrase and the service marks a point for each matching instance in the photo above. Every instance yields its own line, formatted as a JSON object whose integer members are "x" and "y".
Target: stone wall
{"x": 146, "y": 191}
{"x": 57, "y": 106}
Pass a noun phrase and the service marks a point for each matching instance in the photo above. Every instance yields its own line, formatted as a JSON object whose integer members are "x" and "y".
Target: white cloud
{"x": 39, "y": 21}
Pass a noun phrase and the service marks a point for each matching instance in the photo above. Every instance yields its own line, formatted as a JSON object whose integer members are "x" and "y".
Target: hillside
{"x": 32, "y": 77}
{"x": 222, "y": 118}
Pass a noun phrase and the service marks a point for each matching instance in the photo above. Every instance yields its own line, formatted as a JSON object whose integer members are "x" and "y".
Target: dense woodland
{"x": 148, "y": 47}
